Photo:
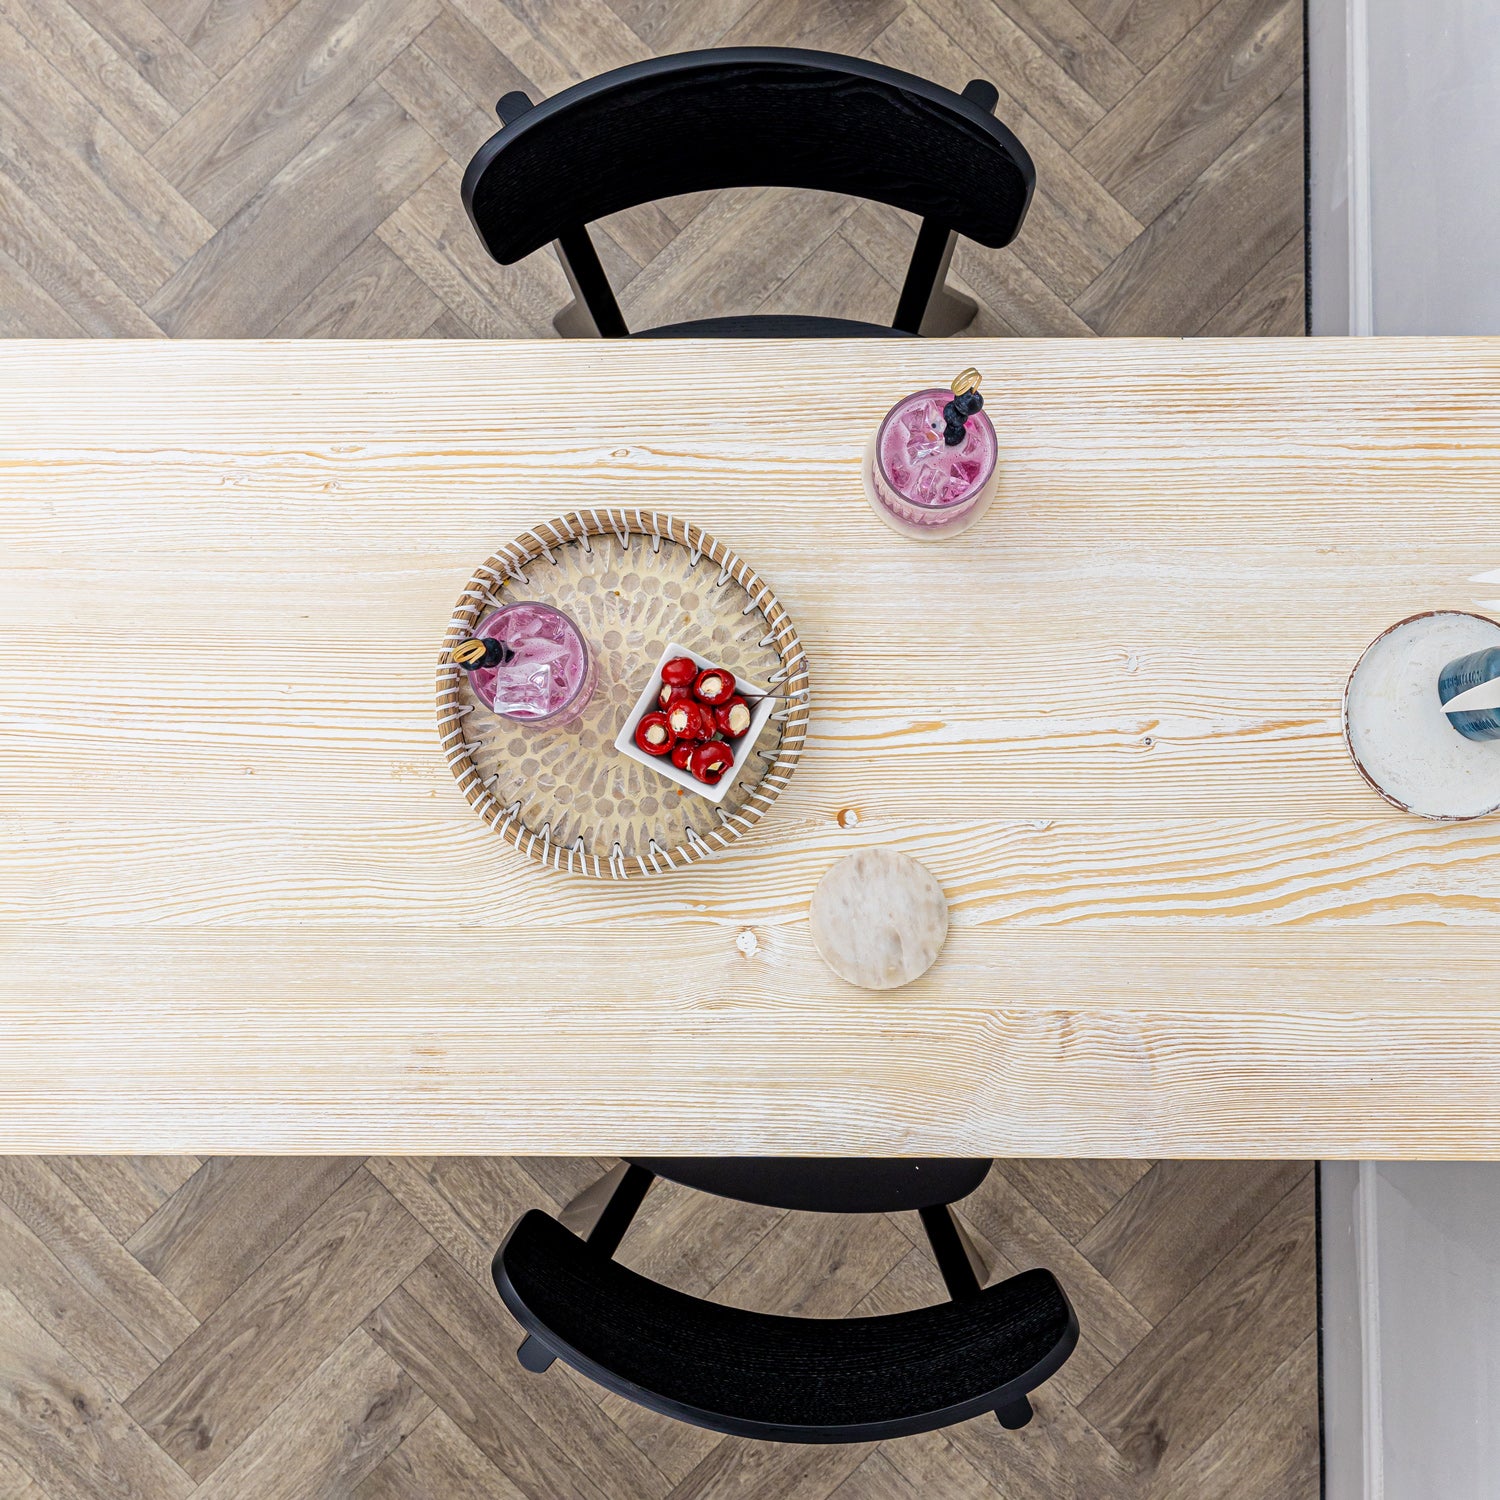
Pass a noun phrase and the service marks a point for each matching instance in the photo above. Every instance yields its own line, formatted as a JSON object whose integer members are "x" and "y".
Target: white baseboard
{"x": 1348, "y": 1316}
{"x": 1338, "y": 151}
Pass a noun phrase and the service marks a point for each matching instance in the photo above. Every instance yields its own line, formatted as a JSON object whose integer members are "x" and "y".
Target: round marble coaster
{"x": 1397, "y": 732}
{"x": 879, "y": 919}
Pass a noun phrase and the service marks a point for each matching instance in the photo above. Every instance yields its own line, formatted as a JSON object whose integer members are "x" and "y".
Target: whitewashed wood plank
{"x": 1175, "y": 872}
{"x": 511, "y": 1040}
{"x": 1110, "y": 713}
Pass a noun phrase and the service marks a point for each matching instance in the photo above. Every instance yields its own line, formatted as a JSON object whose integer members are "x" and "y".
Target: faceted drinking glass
{"x": 551, "y": 677}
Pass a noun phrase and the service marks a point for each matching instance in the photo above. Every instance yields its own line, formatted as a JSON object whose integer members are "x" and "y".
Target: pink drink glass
{"x": 551, "y": 677}
{"x": 925, "y": 486}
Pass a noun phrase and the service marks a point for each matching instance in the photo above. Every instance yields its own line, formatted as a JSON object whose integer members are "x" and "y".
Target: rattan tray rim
{"x": 790, "y": 679}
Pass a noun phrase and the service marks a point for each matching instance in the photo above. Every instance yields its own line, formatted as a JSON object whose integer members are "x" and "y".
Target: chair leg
{"x": 971, "y": 1252}
{"x": 599, "y": 1216}
{"x": 609, "y": 1229}
{"x": 593, "y": 312}
{"x": 582, "y": 1212}
{"x": 575, "y": 322}
{"x": 1015, "y": 1415}
{"x": 928, "y": 305}
{"x": 963, "y": 1276}
{"x": 948, "y": 313}
{"x": 535, "y": 1355}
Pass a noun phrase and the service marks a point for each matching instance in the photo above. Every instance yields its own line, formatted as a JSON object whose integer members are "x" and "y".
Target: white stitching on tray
{"x": 778, "y": 634}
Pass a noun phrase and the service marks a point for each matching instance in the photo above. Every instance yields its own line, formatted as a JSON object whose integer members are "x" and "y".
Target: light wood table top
{"x": 245, "y": 907}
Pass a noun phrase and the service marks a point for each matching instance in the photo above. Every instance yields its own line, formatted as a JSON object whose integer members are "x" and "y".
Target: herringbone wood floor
{"x": 239, "y": 168}
{"x": 253, "y": 1329}
{"x": 261, "y": 1329}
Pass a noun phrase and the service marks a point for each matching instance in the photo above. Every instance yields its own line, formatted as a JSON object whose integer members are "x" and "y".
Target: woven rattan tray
{"x": 633, "y": 580}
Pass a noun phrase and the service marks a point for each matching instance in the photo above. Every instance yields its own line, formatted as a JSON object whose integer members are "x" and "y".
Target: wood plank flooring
{"x": 290, "y": 168}
{"x": 299, "y": 1329}
{"x": 252, "y": 1329}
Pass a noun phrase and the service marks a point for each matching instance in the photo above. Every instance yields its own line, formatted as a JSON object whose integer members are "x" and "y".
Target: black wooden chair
{"x": 750, "y": 116}
{"x": 798, "y": 1380}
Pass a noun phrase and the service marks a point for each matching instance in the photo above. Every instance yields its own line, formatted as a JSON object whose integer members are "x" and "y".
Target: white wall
{"x": 1405, "y": 235}
{"x": 1405, "y": 142}
{"x": 1438, "y": 1328}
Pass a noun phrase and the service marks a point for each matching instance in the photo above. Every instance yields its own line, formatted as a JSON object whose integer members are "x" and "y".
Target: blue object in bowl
{"x": 1459, "y": 676}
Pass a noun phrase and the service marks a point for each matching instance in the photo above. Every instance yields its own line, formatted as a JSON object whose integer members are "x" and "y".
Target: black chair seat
{"x": 772, "y": 326}
{"x": 827, "y": 1184}
{"x": 806, "y": 1380}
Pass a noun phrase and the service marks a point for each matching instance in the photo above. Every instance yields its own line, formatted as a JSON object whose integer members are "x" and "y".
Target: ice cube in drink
{"x": 922, "y": 485}
{"x": 550, "y": 677}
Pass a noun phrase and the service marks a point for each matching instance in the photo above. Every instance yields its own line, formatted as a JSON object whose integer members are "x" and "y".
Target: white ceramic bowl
{"x": 1394, "y": 725}
{"x": 762, "y": 706}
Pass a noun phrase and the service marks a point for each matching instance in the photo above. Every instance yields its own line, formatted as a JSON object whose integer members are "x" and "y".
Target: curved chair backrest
{"x": 795, "y": 1380}
{"x": 745, "y": 116}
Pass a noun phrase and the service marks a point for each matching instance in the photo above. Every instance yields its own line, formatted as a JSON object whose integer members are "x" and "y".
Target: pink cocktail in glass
{"x": 921, "y": 484}
{"x": 549, "y": 677}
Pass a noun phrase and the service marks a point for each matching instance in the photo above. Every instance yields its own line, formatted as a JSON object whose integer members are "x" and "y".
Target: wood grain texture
{"x": 1152, "y": 1247}
{"x": 29, "y": 309}
{"x": 532, "y": 1461}
{"x": 224, "y": 287}
{"x": 92, "y": 67}
{"x": 201, "y": 1243}
{"x": 82, "y": 172}
{"x": 370, "y": 295}
{"x": 336, "y": 1426}
{"x": 1148, "y": 282}
{"x": 53, "y": 267}
{"x": 1145, "y": 30}
{"x": 1153, "y": 1406}
{"x": 91, "y": 1257}
{"x": 301, "y": 75}
{"x": 1272, "y": 302}
{"x": 66, "y": 1429}
{"x": 16, "y": 1483}
{"x": 1073, "y": 1195}
{"x": 68, "y": 1311}
{"x": 221, "y": 31}
{"x": 437, "y": 1459}
{"x": 422, "y": 1397}
{"x": 1198, "y": 100}
{"x": 151, "y": 47}
{"x": 183, "y": 125}
{"x": 1269, "y": 1449}
{"x": 222, "y": 1382}
{"x": 124, "y": 1191}
{"x": 1180, "y": 922}
{"x": 473, "y": 1324}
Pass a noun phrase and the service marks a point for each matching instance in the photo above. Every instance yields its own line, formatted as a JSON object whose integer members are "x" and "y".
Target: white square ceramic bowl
{"x": 760, "y": 711}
